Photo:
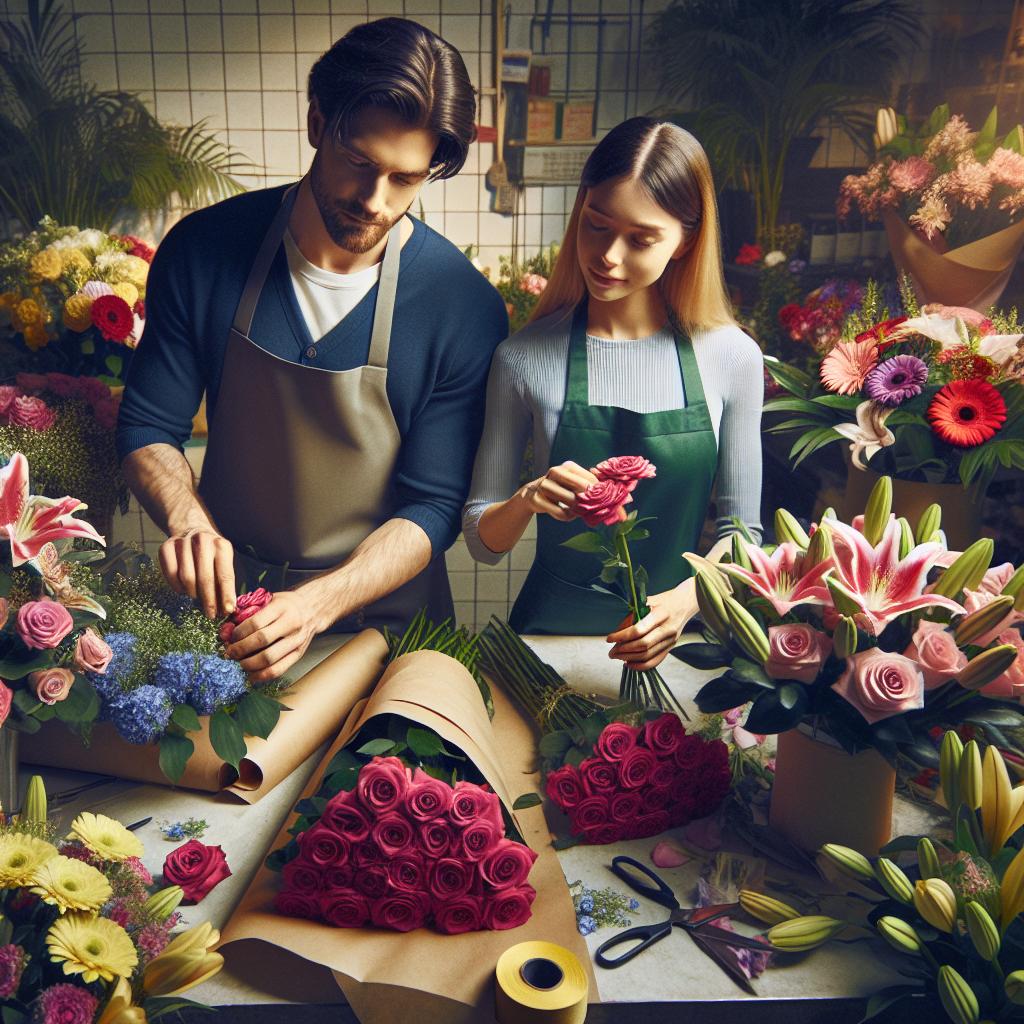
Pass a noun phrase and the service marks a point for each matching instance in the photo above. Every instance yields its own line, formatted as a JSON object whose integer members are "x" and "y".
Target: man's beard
{"x": 354, "y": 238}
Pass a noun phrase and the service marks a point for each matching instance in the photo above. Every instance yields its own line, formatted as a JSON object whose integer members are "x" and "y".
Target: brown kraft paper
{"x": 448, "y": 979}
{"x": 317, "y": 704}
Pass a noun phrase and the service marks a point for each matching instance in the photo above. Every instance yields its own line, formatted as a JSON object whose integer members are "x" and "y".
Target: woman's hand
{"x": 555, "y": 492}
{"x": 645, "y": 644}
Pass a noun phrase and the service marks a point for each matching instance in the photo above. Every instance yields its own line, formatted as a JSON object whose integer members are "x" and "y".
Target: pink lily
{"x": 875, "y": 578}
{"x": 779, "y": 577}
{"x": 30, "y": 521}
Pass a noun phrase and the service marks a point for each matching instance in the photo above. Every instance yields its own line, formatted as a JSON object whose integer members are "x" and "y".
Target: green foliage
{"x": 510, "y": 276}
{"x": 777, "y": 287}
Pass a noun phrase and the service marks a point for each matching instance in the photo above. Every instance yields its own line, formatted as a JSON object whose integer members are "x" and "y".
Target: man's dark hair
{"x": 404, "y": 67}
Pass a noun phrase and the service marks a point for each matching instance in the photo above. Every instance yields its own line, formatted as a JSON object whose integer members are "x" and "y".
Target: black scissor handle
{"x": 643, "y": 935}
{"x": 628, "y": 870}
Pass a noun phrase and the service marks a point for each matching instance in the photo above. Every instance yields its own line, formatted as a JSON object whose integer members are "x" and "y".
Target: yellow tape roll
{"x": 540, "y": 983}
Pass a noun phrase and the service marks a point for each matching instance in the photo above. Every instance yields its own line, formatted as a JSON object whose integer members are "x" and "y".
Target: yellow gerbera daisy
{"x": 70, "y": 884}
{"x": 20, "y": 857}
{"x": 106, "y": 837}
{"x": 93, "y": 947}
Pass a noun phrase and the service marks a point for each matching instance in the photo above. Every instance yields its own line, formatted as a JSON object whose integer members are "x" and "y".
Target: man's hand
{"x": 268, "y": 643}
{"x": 201, "y": 563}
{"x": 644, "y": 645}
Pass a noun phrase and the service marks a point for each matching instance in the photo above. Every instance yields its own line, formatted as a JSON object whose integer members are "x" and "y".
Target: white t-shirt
{"x": 324, "y": 297}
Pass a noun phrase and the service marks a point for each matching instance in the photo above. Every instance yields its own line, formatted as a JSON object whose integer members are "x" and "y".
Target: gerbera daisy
{"x": 967, "y": 413}
{"x": 20, "y": 857}
{"x": 92, "y": 947}
{"x": 895, "y": 380}
{"x": 71, "y": 885}
{"x": 843, "y": 370}
{"x": 106, "y": 837}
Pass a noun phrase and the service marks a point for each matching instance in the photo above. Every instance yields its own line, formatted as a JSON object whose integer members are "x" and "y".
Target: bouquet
{"x": 934, "y": 395}
{"x": 951, "y": 184}
{"x": 404, "y": 831}
{"x": 848, "y": 630}
{"x": 816, "y": 324}
{"x": 618, "y": 772}
{"x": 953, "y": 915}
{"x": 74, "y": 301}
{"x": 84, "y": 933}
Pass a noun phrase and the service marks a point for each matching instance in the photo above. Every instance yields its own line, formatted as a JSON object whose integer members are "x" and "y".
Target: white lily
{"x": 1000, "y": 348}
{"x": 886, "y": 128}
{"x": 950, "y": 332}
{"x": 869, "y": 434}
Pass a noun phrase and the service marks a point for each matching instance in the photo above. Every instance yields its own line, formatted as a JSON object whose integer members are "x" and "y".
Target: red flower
{"x": 616, "y": 740}
{"x": 401, "y": 911}
{"x": 790, "y": 314}
{"x": 462, "y": 914}
{"x": 197, "y": 868}
{"x": 344, "y": 908}
{"x": 880, "y": 332}
{"x": 510, "y": 908}
{"x": 602, "y": 504}
{"x": 137, "y": 247}
{"x": 113, "y": 316}
{"x": 450, "y": 877}
{"x": 566, "y": 787}
{"x": 626, "y": 469}
{"x": 967, "y": 413}
{"x": 748, "y": 254}
{"x": 636, "y": 768}
{"x": 323, "y": 846}
{"x": 507, "y": 865}
{"x": 598, "y": 775}
{"x": 382, "y": 784}
{"x": 298, "y": 876}
{"x": 664, "y": 734}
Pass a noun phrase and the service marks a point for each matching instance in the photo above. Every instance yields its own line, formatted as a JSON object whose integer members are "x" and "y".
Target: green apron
{"x": 557, "y": 596}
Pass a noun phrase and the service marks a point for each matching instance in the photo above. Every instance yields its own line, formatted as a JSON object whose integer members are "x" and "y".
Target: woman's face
{"x": 624, "y": 240}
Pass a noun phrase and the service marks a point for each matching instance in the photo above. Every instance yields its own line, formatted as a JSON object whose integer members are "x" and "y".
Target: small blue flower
{"x": 108, "y": 683}
{"x": 218, "y": 682}
{"x": 174, "y": 832}
{"x": 586, "y": 925}
{"x": 634, "y": 904}
{"x": 176, "y": 675}
{"x": 141, "y": 716}
{"x": 586, "y": 905}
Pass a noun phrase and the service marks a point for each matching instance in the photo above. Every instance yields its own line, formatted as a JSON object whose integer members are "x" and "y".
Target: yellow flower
{"x": 935, "y": 901}
{"x": 8, "y": 300}
{"x": 93, "y": 947}
{"x": 127, "y": 291}
{"x": 20, "y": 857}
{"x": 134, "y": 269}
{"x": 106, "y": 837}
{"x": 119, "y": 1008}
{"x": 36, "y": 337}
{"x": 46, "y": 264}
{"x": 70, "y": 884}
{"x": 74, "y": 259}
{"x": 78, "y": 312}
{"x": 186, "y": 962}
{"x": 26, "y": 312}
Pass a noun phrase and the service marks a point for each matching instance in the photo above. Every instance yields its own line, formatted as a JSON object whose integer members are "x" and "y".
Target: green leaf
{"x": 704, "y": 656}
{"x": 114, "y": 364}
{"x": 226, "y": 738}
{"x": 1007, "y": 717}
{"x": 724, "y": 693}
{"x": 566, "y": 842}
{"x": 88, "y": 346}
{"x": 593, "y": 727}
{"x": 344, "y": 779}
{"x": 158, "y": 1006}
{"x": 174, "y": 754}
{"x": 311, "y": 807}
{"x": 344, "y": 758}
{"x": 640, "y": 533}
{"x": 588, "y": 542}
{"x": 576, "y": 756}
{"x": 838, "y": 401}
{"x": 18, "y": 668}
{"x": 750, "y": 672}
{"x": 82, "y": 703}
{"x": 184, "y": 716}
{"x": 777, "y": 710}
{"x": 377, "y": 747}
{"x": 424, "y": 743}
{"x": 553, "y": 745}
{"x": 527, "y": 800}
{"x": 257, "y": 714}
{"x": 887, "y": 997}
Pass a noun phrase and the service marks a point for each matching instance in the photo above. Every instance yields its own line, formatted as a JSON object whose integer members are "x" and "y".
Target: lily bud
{"x": 34, "y": 808}
{"x": 186, "y": 962}
{"x": 957, "y": 997}
{"x": 844, "y": 639}
{"x": 900, "y": 935}
{"x": 950, "y": 752}
{"x": 983, "y": 931}
{"x": 1014, "y": 987}
{"x": 749, "y": 634}
{"x": 819, "y": 549}
{"x": 739, "y": 552}
{"x": 935, "y": 901}
{"x": 804, "y": 933}
{"x": 712, "y": 607}
{"x": 788, "y": 529}
{"x": 886, "y": 127}
{"x": 906, "y": 537}
{"x": 893, "y": 880}
{"x": 162, "y": 904}
{"x": 927, "y": 859}
{"x": 878, "y": 510}
{"x": 845, "y": 604}
{"x": 967, "y": 571}
{"x": 765, "y": 908}
{"x": 851, "y": 863}
{"x": 985, "y": 619}
{"x": 970, "y": 781}
{"x": 986, "y": 667}
{"x": 928, "y": 525}
{"x": 829, "y": 513}
{"x": 120, "y": 1008}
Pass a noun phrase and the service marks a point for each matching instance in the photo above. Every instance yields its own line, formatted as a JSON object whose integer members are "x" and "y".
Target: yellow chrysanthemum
{"x": 26, "y": 312}
{"x": 77, "y": 314}
{"x": 134, "y": 269}
{"x": 46, "y": 264}
{"x": 106, "y": 837}
{"x": 36, "y": 336}
{"x": 127, "y": 291}
{"x": 74, "y": 259}
{"x": 20, "y": 857}
{"x": 70, "y": 884}
{"x": 93, "y": 947}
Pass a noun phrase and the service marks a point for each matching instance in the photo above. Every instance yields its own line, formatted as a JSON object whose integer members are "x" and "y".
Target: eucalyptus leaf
{"x": 553, "y": 745}
{"x": 527, "y": 800}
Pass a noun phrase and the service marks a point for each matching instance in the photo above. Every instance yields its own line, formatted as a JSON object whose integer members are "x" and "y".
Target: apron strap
{"x": 577, "y": 385}
{"x": 693, "y": 389}
{"x": 387, "y": 287}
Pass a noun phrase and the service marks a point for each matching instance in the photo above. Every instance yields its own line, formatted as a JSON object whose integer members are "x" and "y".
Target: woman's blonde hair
{"x": 672, "y": 167}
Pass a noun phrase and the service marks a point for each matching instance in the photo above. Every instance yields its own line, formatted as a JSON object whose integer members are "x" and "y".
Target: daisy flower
{"x": 92, "y": 947}
{"x": 896, "y": 380}
{"x": 71, "y": 884}
{"x": 106, "y": 837}
{"x": 843, "y": 370}
{"x": 20, "y": 857}
{"x": 967, "y": 413}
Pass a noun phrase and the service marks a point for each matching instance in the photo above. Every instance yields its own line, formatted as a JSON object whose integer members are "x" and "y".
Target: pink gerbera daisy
{"x": 843, "y": 370}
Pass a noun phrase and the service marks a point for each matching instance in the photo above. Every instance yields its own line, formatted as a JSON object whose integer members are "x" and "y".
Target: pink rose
{"x": 344, "y": 908}
{"x": 392, "y": 833}
{"x": 31, "y": 381}
{"x": 435, "y": 838}
{"x": 565, "y": 787}
{"x": 297, "y": 904}
{"x": 346, "y": 818}
{"x": 479, "y": 839}
{"x": 590, "y": 813}
{"x": 450, "y": 877}
{"x": 459, "y": 915}
{"x": 323, "y": 846}
{"x": 400, "y": 911}
{"x": 372, "y": 881}
{"x": 249, "y": 603}
{"x": 1010, "y": 685}
{"x": 636, "y": 768}
{"x": 796, "y": 652}
{"x": 880, "y": 685}
{"x": 509, "y": 908}
{"x": 601, "y": 835}
{"x": 5, "y": 610}
{"x": 936, "y": 653}
{"x": 599, "y": 775}
{"x": 51, "y": 685}
{"x": 298, "y": 876}
{"x": 533, "y": 284}
{"x": 625, "y": 807}
{"x": 616, "y": 740}
{"x": 663, "y": 734}
{"x": 31, "y": 412}
{"x": 382, "y": 784}
{"x": 471, "y": 803}
{"x": 602, "y": 504}
{"x": 92, "y": 653}
{"x": 8, "y": 393}
{"x": 197, "y": 868}
{"x": 6, "y": 696}
{"x": 427, "y": 797}
{"x": 508, "y": 864}
{"x": 625, "y": 469}
{"x": 407, "y": 874}
{"x": 43, "y": 624}
{"x": 338, "y": 876}
{"x": 977, "y": 599}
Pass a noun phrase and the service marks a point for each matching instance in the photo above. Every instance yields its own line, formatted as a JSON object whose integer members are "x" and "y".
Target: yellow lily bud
{"x": 928, "y": 525}
{"x": 900, "y": 935}
{"x": 893, "y": 880}
{"x": 1014, "y": 987}
{"x": 34, "y": 808}
{"x": 984, "y": 620}
{"x": 765, "y": 908}
{"x": 957, "y": 997}
{"x": 851, "y": 863}
{"x": 983, "y": 931}
{"x": 983, "y": 668}
{"x": 749, "y": 634}
{"x": 804, "y": 933}
{"x": 935, "y": 901}
{"x": 162, "y": 904}
{"x": 927, "y": 859}
{"x": 997, "y": 798}
{"x": 971, "y": 789}
{"x": 788, "y": 529}
{"x": 878, "y": 510}
{"x": 185, "y": 962}
{"x": 1011, "y": 892}
{"x": 119, "y": 1008}
{"x": 950, "y": 752}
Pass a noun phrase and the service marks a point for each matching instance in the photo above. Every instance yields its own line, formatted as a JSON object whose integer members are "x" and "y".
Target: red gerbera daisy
{"x": 967, "y": 413}
{"x": 113, "y": 316}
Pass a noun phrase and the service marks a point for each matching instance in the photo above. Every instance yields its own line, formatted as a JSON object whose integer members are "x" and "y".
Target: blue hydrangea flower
{"x": 218, "y": 682}
{"x": 141, "y": 716}
{"x": 634, "y": 904}
{"x": 586, "y": 925}
{"x": 108, "y": 684}
{"x": 586, "y": 905}
{"x": 176, "y": 675}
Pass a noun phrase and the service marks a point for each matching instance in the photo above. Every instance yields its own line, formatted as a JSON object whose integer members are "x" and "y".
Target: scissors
{"x": 719, "y": 943}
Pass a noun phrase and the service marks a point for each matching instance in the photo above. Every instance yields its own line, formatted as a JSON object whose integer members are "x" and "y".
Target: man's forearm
{"x": 392, "y": 555}
{"x": 161, "y": 478}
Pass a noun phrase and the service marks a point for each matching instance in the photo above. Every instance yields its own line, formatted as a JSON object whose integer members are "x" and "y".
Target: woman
{"x": 632, "y": 350}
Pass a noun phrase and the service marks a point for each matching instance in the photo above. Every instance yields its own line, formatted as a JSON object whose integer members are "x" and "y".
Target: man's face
{"x": 366, "y": 182}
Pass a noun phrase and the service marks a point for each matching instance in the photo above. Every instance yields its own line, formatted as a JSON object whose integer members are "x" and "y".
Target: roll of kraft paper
{"x": 540, "y": 983}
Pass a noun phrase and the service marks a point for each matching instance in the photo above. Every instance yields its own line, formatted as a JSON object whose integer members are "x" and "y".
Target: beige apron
{"x": 300, "y": 461}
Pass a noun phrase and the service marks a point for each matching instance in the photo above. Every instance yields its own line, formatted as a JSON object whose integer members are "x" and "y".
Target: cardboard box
{"x": 577, "y": 121}
{"x": 540, "y": 120}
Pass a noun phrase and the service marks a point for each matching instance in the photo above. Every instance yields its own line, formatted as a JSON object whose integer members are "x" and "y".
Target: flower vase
{"x": 822, "y": 794}
{"x": 8, "y": 770}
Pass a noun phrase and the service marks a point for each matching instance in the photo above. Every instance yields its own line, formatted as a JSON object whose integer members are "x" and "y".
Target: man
{"x": 343, "y": 348}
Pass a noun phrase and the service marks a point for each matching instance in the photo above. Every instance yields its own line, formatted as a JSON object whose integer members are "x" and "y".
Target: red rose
{"x": 664, "y": 774}
{"x": 113, "y": 316}
{"x": 298, "y": 876}
{"x": 297, "y": 904}
{"x": 197, "y": 868}
{"x": 450, "y": 877}
{"x": 656, "y": 798}
{"x": 624, "y": 807}
{"x": 565, "y": 787}
{"x": 714, "y": 754}
{"x": 602, "y": 504}
{"x": 690, "y": 753}
{"x": 400, "y": 911}
{"x": 479, "y": 839}
{"x": 664, "y": 734}
{"x": 435, "y": 838}
{"x": 338, "y": 876}
{"x": 392, "y": 834}
{"x": 30, "y": 412}
{"x": 636, "y": 768}
{"x": 382, "y": 784}
{"x": 344, "y": 908}
{"x": 681, "y": 811}
{"x": 43, "y": 624}
{"x": 625, "y": 469}
{"x": 471, "y": 802}
{"x": 427, "y": 797}
{"x": 462, "y": 914}
{"x": 616, "y": 740}
{"x": 602, "y": 835}
{"x": 372, "y": 881}
{"x": 509, "y": 908}
{"x": 251, "y": 602}
{"x": 508, "y": 864}
{"x": 343, "y": 816}
{"x": 365, "y": 854}
{"x": 590, "y": 813}
{"x": 652, "y": 824}
{"x": 748, "y": 254}
{"x": 323, "y": 846}
{"x": 599, "y": 775}
{"x": 407, "y": 874}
